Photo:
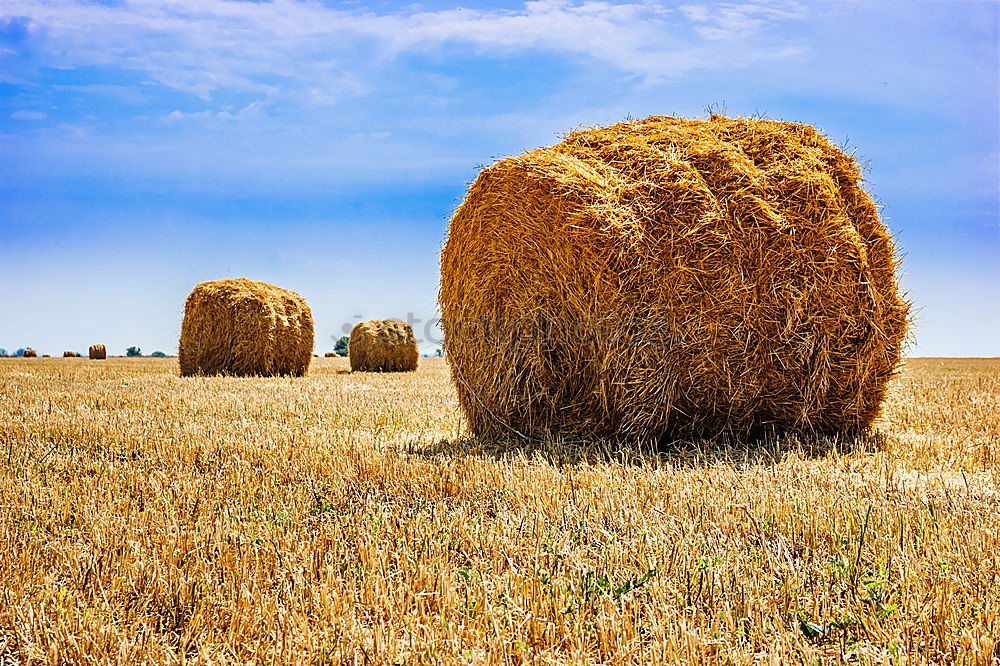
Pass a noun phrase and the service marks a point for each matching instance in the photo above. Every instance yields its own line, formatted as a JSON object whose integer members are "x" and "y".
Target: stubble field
{"x": 146, "y": 518}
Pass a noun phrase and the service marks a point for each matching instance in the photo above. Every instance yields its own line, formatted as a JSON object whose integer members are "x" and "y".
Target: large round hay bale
{"x": 383, "y": 345}
{"x": 30, "y": 353}
{"x": 97, "y": 352}
{"x": 240, "y": 327}
{"x": 671, "y": 278}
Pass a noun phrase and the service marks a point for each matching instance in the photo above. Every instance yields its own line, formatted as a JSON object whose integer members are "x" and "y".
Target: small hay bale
{"x": 30, "y": 353}
{"x": 670, "y": 278}
{"x": 97, "y": 352}
{"x": 241, "y": 327}
{"x": 69, "y": 354}
{"x": 329, "y": 355}
{"x": 383, "y": 345}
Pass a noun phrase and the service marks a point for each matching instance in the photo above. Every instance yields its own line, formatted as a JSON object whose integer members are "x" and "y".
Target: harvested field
{"x": 346, "y": 517}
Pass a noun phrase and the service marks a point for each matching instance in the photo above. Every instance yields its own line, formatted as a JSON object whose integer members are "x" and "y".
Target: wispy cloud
{"x": 29, "y": 115}
{"x": 124, "y": 94}
{"x": 251, "y": 110}
{"x": 306, "y": 49}
{"x": 728, "y": 21}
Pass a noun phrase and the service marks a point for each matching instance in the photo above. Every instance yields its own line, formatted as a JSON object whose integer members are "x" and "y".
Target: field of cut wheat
{"x": 347, "y": 518}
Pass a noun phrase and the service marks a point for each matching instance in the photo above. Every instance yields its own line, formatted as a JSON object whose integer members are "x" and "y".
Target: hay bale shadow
{"x": 765, "y": 450}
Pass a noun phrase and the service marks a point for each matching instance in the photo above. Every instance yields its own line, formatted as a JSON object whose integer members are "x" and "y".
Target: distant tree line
{"x": 131, "y": 351}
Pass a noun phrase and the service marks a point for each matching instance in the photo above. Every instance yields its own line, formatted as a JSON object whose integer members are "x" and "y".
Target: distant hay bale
{"x": 383, "y": 345}
{"x": 97, "y": 352}
{"x": 329, "y": 355}
{"x": 671, "y": 278}
{"x": 69, "y": 354}
{"x": 46, "y": 355}
{"x": 240, "y": 327}
{"x": 30, "y": 353}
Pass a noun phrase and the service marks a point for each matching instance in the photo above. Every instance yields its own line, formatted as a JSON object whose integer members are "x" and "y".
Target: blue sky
{"x": 147, "y": 145}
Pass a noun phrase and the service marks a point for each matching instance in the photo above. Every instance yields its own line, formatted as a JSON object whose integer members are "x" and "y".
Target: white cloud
{"x": 371, "y": 135}
{"x": 124, "y": 94}
{"x": 177, "y": 114}
{"x": 315, "y": 53}
{"x": 251, "y": 110}
{"x": 725, "y": 23}
{"x": 28, "y": 115}
{"x": 271, "y": 84}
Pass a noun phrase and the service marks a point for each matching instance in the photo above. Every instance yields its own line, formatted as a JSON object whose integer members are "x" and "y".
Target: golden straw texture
{"x": 672, "y": 278}
{"x": 98, "y": 352}
{"x": 240, "y": 327}
{"x": 383, "y": 345}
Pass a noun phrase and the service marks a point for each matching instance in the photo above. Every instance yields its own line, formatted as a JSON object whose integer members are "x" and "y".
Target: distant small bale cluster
{"x": 241, "y": 327}
{"x": 46, "y": 355}
{"x": 30, "y": 353}
{"x": 97, "y": 352}
{"x": 383, "y": 345}
{"x": 70, "y": 354}
{"x": 671, "y": 278}
{"x": 329, "y": 355}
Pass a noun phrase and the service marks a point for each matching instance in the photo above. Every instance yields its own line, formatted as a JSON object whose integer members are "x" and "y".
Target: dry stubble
{"x": 342, "y": 517}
